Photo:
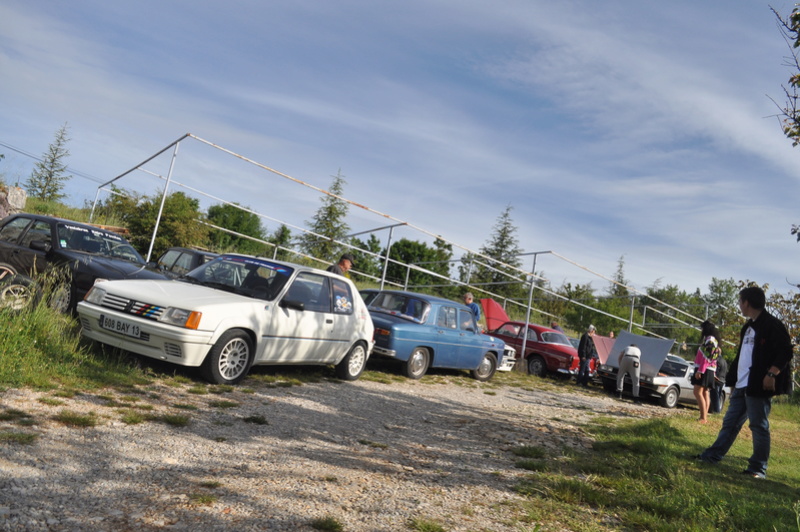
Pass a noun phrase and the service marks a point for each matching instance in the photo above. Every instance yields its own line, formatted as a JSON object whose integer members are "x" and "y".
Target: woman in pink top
{"x": 705, "y": 363}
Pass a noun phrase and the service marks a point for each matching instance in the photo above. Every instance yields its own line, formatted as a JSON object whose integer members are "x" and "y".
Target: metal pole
{"x": 630, "y": 321}
{"x": 386, "y": 260}
{"x": 163, "y": 200}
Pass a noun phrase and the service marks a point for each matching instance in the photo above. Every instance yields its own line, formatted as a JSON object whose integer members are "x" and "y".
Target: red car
{"x": 546, "y": 350}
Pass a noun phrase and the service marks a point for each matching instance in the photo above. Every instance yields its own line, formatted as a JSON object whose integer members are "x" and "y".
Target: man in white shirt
{"x": 630, "y": 362}
{"x": 760, "y": 371}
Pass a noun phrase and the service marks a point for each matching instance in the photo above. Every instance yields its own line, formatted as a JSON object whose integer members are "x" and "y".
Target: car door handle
{"x": 328, "y": 320}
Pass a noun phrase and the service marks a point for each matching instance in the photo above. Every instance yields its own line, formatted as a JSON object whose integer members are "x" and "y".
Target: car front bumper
{"x": 155, "y": 340}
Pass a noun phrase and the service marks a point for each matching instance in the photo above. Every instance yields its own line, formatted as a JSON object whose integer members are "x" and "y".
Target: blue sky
{"x": 640, "y": 130}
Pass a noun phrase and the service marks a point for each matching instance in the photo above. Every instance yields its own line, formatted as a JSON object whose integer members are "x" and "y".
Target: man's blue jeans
{"x": 740, "y": 408}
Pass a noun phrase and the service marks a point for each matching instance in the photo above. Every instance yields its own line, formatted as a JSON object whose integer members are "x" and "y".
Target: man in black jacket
{"x": 760, "y": 371}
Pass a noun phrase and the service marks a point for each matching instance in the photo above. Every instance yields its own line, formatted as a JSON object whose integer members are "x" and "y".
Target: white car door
{"x": 299, "y": 336}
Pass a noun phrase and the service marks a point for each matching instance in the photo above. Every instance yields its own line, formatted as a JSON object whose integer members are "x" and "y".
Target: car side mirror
{"x": 41, "y": 245}
{"x": 292, "y": 304}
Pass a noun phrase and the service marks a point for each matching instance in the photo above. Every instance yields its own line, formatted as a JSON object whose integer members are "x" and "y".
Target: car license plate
{"x": 120, "y": 326}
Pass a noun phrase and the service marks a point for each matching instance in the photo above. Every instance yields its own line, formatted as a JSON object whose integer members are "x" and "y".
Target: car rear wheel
{"x": 417, "y": 364}
{"x": 537, "y": 366}
{"x": 487, "y": 368}
{"x": 229, "y": 359}
{"x": 17, "y": 292}
{"x": 353, "y": 364}
{"x": 670, "y": 397}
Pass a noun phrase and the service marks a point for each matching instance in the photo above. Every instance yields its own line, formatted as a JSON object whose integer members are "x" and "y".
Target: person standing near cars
{"x": 705, "y": 369}
{"x": 346, "y": 262}
{"x": 705, "y": 374}
{"x": 717, "y": 392}
{"x": 586, "y": 352}
{"x": 759, "y": 372}
{"x": 469, "y": 300}
{"x": 630, "y": 362}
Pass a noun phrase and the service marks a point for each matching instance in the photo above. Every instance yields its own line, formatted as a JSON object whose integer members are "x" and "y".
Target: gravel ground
{"x": 262, "y": 457}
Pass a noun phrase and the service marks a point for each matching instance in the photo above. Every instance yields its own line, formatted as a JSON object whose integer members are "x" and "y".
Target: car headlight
{"x": 95, "y": 295}
{"x": 181, "y": 318}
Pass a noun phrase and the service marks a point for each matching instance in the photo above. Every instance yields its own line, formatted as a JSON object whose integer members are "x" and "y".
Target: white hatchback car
{"x": 232, "y": 313}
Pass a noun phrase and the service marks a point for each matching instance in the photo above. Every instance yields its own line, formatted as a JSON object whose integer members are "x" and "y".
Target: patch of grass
{"x": 489, "y": 392}
{"x": 204, "y": 499}
{"x": 528, "y": 451}
{"x": 175, "y": 420}
{"x": 13, "y": 414}
{"x": 66, "y": 393}
{"x": 425, "y": 525}
{"x": 131, "y": 417}
{"x": 258, "y": 420}
{"x": 50, "y": 401}
{"x": 220, "y": 439}
{"x": 328, "y": 523}
{"x": 20, "y": 438}
{"x": 43, "y": 349}
{"x": 531, "y": 465}
{"x": 211, "y": 484}
{"x": 223, "y": 404}
{"x": 74, "y": 419}
{"x": 221, "y": 388}
{"x": 198, "y": 390}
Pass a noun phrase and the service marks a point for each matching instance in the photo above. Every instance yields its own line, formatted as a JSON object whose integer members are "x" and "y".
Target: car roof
{"x": 292, "y": 265}
{"x": 426, "y": 297}
{"x": 47, "y": 218}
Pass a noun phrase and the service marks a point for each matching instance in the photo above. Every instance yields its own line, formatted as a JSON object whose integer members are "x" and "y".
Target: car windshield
{"x": 402, "y": 305}
{"x": 247, "y": 276}
{"x": 673, "y": 367}
{"x": 96, "y": 241}
{"x": 554, "y": 337}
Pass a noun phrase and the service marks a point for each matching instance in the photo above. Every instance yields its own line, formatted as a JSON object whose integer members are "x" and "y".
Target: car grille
{"x": 129, "y": 306}
{"x": 173, "y": 350}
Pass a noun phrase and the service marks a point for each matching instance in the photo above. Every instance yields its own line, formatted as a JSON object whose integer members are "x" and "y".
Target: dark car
{"x": 32, "y": 244}
{"x": 422, "y": 331}
{"x": 178, "y": 261}
{"x": 545, "y": 349}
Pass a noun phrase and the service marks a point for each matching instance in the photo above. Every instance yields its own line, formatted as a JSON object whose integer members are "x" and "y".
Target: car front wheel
{"x": 229, "y": 359}
{"x": 353, "y": 364}
{"x": 670, "y": 398}
{"x": 537, "y": 366}
{"x": 417, "y": 364}
{"x": 487, "y": 368}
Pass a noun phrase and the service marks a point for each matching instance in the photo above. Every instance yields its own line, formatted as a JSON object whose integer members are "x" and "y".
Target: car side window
{"x": 312, "y": 290}
{"x": 38, "y": 232}
{"x": 183, "y": 264}
{"x": 466, "y": 320}
{"x": 509, "y": 330}
{"x": 446, "y": 318}
{"x": 532, "y": 335}
{"x": 14, "y": 228}
{"x": 168, "y": 259}
{"x": 342, "y": 297}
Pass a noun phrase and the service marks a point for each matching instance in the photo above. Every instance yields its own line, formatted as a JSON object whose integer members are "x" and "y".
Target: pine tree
{"x": 503, "y": 247}
{"x": 328, "y": 224}
{"x": 47, "y": 180}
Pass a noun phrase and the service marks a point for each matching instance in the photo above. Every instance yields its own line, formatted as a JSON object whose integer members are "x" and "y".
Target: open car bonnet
{"x": 654, "y": 351}
{"x": 495, "y": 314}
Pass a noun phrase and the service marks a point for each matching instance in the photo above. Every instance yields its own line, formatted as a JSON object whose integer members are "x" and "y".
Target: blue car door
{"x": 470, "y": 350}
{"x": 448, "y": 338}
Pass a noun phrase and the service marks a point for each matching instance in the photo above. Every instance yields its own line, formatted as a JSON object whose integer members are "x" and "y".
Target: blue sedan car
{"x": 423, "y": 331}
